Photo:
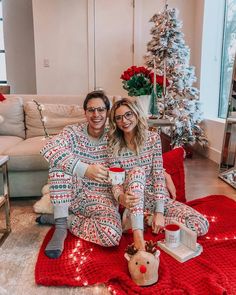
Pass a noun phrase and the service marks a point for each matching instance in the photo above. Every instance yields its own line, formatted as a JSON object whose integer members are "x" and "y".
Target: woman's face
{"x": 125, "y": 119}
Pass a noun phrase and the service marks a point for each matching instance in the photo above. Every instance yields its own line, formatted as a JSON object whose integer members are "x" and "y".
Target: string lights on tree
{"x": 168, "y": 55}
{"x": 43, "y": 119}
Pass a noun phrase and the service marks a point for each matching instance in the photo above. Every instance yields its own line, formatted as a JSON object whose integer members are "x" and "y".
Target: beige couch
{"x": 22, "y": 135}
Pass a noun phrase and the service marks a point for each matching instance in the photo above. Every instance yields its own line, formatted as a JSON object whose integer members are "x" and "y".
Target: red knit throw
{"x": 213, "y": 272}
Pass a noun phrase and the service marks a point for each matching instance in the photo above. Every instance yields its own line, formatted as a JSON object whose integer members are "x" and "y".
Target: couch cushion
{"x": 7, "y": 142}
{"x": 26, "y": 156}
{"x": 57, "y": 116}
{"x": 173, "y": 162}
{"x": 12, "y": 117}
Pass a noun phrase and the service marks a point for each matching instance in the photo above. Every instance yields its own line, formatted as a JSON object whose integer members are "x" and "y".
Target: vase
{"x": 144, "y": 102}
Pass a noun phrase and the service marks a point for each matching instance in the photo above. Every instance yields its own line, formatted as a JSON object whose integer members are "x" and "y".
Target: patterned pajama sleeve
{"x": 59, "y": 152}
{"x": 159, "y": 184}
{"x": 62, "y": 162}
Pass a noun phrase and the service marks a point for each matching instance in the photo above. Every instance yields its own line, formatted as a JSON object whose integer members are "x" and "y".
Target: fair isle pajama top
{"x": 145, "y": 177}
{"x": 93, "y": 210}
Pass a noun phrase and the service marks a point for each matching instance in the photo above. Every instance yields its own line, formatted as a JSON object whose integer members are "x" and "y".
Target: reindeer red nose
{"x": 143, "y": 268}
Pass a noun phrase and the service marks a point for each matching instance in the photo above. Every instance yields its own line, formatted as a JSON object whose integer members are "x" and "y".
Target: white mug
{"x": 172, "y": 235}
{"x": 116, "y": 175}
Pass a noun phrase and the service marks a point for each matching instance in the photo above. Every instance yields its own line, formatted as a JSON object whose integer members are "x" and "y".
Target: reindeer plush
{"x": 143, "y": 265}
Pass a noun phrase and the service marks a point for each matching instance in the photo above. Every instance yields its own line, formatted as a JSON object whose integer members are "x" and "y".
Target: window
{"x": 228, "y": 56}
{"x": 3, "y": 78}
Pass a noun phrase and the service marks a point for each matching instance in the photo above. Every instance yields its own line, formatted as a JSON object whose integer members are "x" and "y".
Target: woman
{"x": 138, "y": 151}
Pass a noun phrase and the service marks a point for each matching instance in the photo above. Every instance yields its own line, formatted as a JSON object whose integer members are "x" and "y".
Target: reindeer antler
{"x": 150, "y": 247}
{"x": 131, "y": 250}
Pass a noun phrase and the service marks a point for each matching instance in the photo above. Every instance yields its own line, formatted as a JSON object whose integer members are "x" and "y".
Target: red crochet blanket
{"x": 213, "y": 272}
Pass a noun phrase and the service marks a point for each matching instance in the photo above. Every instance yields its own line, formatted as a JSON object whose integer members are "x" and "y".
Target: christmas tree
{"x": 180, "y": 100}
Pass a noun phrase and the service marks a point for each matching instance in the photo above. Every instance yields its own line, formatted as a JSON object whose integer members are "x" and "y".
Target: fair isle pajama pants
{"x": 93, "y": 214}
{"x": 173, "y": 210}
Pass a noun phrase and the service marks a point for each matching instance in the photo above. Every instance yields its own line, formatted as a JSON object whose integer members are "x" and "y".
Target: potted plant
{"x": 139, "y": 81}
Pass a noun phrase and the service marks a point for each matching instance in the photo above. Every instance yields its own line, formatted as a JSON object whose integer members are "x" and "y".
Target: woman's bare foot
{"x": 139, "y": 242}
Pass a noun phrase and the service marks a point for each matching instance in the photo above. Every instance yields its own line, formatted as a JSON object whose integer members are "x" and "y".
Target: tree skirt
{"x": 213, "y": 272}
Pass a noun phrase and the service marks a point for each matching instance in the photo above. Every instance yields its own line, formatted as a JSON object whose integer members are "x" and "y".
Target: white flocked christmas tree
{"x": 180, "y": 102}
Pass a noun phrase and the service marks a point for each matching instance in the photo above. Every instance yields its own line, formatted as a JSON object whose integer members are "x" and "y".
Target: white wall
{"x": 19, "y": 45}
{"x": 113, "y": 43}
{"x": 61, "y": 46}
{"x": 197, "y": 34}
{"x": 214, "y": 129}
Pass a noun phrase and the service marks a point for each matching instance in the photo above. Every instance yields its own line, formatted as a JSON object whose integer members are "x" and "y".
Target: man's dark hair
{"x": 97, "y": 94}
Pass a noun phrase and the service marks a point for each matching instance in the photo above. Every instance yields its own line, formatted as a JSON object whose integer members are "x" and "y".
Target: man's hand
{"x": 158, "y": 223}
{"x": 97, "y": 172}
{"x": 128, "y": 200}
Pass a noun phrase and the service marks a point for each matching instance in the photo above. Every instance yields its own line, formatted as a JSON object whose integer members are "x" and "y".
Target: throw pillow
{"x": 44, "y": 205}
{"x": 51, "y": 118}
{"x": 173, "y": 162}
{"x": 12, "y": 117}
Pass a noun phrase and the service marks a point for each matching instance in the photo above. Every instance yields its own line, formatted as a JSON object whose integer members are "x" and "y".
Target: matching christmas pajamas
{"x": 145, "y": 177}
{"x": 93, "y": 210}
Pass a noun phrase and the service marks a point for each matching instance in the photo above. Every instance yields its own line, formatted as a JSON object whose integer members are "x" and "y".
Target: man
{"x": 78, "y": 181}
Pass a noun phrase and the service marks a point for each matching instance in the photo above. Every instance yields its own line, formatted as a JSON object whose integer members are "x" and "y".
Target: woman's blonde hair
{"x": 116, "y": 136}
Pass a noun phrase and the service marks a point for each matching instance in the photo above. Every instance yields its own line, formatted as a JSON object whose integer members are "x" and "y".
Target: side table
{"x": 4, "y": 199}
{"x": 157, "y": 124}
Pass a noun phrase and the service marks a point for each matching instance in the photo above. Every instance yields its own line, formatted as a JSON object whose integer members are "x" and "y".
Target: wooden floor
{"x": 201, "y": 177}
{"x": 19, "y": 252}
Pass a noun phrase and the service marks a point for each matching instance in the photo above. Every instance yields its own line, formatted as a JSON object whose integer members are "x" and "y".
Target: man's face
{"x": 96, "y": 114}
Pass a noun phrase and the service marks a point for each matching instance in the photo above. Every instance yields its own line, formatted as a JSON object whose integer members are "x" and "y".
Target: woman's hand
{"x": 158, "y": 222}
{"x": 129, "y": 200}
{"x": 97, "y": 172}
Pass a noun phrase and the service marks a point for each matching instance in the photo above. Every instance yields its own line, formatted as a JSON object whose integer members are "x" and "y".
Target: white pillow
{"x": 12, "y": 117}
{"x": 57, "y": 116}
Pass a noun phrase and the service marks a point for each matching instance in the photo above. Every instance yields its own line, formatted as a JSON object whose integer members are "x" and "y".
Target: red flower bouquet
{"x": 139, "y": 81}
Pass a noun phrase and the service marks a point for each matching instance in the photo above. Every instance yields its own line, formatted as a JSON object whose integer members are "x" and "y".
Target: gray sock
{"x": 45, "y": 219}
{"x": 55, "y": 246}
